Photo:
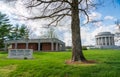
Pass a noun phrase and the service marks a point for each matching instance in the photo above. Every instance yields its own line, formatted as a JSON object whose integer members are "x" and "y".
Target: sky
{"x": 108, "y": 13}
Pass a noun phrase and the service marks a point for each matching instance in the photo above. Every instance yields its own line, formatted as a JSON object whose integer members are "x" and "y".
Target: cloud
{"x": 4, "y": 7}
{"x": 98, "y": 23}
{"x": 67, "y": 39}
{"x": 93, "y": 16}
{"x": 86, "y": 35}
{"x": 109, "y": 18}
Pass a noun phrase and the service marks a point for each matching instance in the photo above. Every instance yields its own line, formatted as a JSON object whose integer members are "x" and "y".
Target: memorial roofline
{"x": 104, "y": 33}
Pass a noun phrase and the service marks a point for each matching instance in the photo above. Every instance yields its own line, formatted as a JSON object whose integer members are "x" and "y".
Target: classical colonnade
{"x": 105, "y": 39}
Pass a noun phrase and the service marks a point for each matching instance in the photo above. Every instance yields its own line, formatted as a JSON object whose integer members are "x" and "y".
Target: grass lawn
{"x": 52, "y": 64}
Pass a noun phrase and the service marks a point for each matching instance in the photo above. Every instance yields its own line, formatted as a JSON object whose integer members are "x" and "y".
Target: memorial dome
{"x": 104, "y": 33}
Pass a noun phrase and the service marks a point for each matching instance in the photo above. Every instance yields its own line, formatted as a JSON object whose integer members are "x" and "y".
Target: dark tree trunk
{"x": 77, "y": 54}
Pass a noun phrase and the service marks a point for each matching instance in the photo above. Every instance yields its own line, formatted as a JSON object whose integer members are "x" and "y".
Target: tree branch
{"x": 85, "y": 14}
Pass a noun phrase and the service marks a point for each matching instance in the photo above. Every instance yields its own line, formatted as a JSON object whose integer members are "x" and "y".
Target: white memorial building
{"x": 105, "y": 40}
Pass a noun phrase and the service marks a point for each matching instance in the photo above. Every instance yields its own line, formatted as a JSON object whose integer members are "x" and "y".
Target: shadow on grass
{"x": 3, "y": 52}
{"x": 112, "y": 62}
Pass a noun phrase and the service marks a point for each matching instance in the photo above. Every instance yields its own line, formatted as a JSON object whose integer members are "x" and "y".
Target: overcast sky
{"x": 108, "y": 13}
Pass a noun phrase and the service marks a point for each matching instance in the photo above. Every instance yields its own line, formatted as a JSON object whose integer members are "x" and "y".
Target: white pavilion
{"x": 105, "y": 40}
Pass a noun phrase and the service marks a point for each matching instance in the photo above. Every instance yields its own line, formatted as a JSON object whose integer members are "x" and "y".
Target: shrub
{"x": 84, "y": 48}
{"x": 25, "y": 58}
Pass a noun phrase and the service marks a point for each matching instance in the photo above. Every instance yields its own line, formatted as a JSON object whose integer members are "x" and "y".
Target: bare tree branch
{"x": 85, "y": 14}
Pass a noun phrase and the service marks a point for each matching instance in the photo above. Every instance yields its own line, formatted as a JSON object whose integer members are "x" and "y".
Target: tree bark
{"x": 77, "y": 54}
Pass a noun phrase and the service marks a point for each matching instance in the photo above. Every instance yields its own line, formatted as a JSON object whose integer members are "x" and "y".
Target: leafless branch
{"x": 59, "y": 9}
{"x": 85, "y": 12}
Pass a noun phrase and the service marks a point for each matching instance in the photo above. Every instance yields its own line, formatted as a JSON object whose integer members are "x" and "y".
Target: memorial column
{"x": 98, "y": 41}
{"x": 109, "y": 40}
{"x": 15, "y": 45}
{"x": 105, "y": 40}
{"x": 26, "y": 45}
{"x": 39, "y": 46}
{"x": 101, "y": 41}
{"x": 52, "y": 48}
{"x": 63, "y": 47}
{"x": 56, "y": 46}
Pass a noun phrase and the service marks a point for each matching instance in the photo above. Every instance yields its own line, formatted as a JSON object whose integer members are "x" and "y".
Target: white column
{"x": 56, "y": 46}
{"x": 60, "y": 47}
{"x": 26, "y": 45}
{"x": 105, "y": 40}
{"x": 101, "y": 41}
{"x": 109, "y": 40}
{"x": 15, "y": 45}
{"x": 63, "y": 46}
{"x": 39, "y": 46}
{"x": 52, "y": 48}
{"x": 98, "y": 41}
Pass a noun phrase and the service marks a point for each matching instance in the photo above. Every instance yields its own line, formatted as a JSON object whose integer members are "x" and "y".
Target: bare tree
{"x": 117, "y": 22}
{"x": 51, "y": 33}
{"x": 117, "y": 34}
{"x": 57, "y": 10}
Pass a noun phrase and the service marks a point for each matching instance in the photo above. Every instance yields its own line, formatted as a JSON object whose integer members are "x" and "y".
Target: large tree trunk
{"x": 77, "y": 54}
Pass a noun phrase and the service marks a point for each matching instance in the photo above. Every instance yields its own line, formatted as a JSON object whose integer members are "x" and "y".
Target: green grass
{"x": 52, "y": 64}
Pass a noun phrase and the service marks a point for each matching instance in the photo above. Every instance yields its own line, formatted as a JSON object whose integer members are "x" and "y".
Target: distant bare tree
{"x": 117, "y": 22}
{"x": 50, "y": 33}
{"x": 57, "y": 10}
{"x": 117, "y": 34}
